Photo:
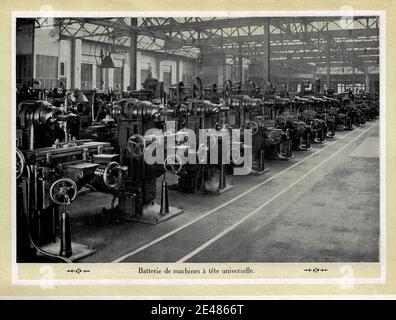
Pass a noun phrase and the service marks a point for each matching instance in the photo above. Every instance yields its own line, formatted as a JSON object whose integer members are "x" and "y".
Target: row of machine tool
{"x": 68, "y": 142}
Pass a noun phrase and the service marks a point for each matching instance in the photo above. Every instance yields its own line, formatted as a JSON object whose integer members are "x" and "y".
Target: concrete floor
{"x": 329, "y": 212}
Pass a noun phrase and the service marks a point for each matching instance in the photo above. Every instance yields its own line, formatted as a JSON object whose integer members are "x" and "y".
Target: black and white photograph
{"x": 197, "y": 139}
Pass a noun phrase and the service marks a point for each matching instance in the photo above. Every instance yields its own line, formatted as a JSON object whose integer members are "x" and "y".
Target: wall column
{"x": 353, "y": 72}
{"x": 328, "y": 64}
{"x": 367, "y": 82}
{"x": 353, "y": 77}
{"x": 288, "y": 79}
{"x": 133, "y": 55}
{"x": 76, "y": 47}
{"x": 266, "y": 50}
{"x": 224, "y": 69}
{"x": 240, "y": 64}
{"x": 179, "y": 71}
{"x": 157, "y": 75}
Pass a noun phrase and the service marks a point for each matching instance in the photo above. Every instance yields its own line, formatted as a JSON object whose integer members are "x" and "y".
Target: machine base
{"x": 278, "y": 157}
{"x": 207, "y": 190}
{"x": 79, "y": 250}
{"x": 219, "y": 191}
{"x": 258, "y": 172}
{"x": 315, "y": 141}
{"x": 301, "y": 149}
{"x": 151, "y": 214}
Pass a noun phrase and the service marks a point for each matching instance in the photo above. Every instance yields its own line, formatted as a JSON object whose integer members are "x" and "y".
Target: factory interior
{"x": 294, "y": 101}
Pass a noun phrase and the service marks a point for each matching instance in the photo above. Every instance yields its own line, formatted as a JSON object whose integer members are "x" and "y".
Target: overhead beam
{"x": 123, "y": 30}
{"x": 295, "y": 52}
{"x": 323, "y": 64}
{"x": 300, "y": 47}
{"x": 285, "y": 37}
{"x": 174, "y": 25}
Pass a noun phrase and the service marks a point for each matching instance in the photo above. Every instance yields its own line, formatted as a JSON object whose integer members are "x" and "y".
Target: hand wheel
{"x": 173, "y": 164}
{"x": 20, "y": 163}
{"x": 303, "y": 117}
{"x": 280, "y": 122}
{"x": 274, "y": 136}
{"x": 253, "y": 125}
{"x": 202, "y": 152}
{"x": 63, "y": 191}
{"x": 112, "y": 175}
{"x": 136, "y": 145}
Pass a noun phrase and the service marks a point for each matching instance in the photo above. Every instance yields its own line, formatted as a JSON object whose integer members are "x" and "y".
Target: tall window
{"x": 245, "y": 75}
{"x": 167, "y": 75}
{"x": 106, "y": 72}
{"x": 24, "y": 67}
{"x": 145, "y": 70}
{"x": 186, "y": 78}
{"x": 86, "y": 76}
{"x": 360, "y": 86}
{"x": 47, "y": 71}
{"x": 340, "y": 87}
{"x": 99, "y": 78}
{"x": 144, "y": 74}
{"x": 118, "y": 78}
{"x": 62, "y": 68}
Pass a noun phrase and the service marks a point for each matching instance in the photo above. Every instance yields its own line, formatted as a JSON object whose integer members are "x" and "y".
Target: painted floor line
{"x": 229, "y": 229}
{"x": 153, "y": 242}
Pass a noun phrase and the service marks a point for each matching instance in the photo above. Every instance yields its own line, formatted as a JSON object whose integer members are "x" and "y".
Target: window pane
{"x": 24, "y": 69}
{"x": 167, "y": 75}
{"x": 47, "y": 71}
{"x": 144, "y": 75}
{"x": 118, "y": 78}
{"x": 99, "y": 78}
{"x": 86, "y": 76}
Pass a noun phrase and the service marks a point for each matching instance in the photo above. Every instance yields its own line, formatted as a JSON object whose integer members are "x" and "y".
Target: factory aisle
{"x": 331, "y": 215}
{"x": 321, "y": 206}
